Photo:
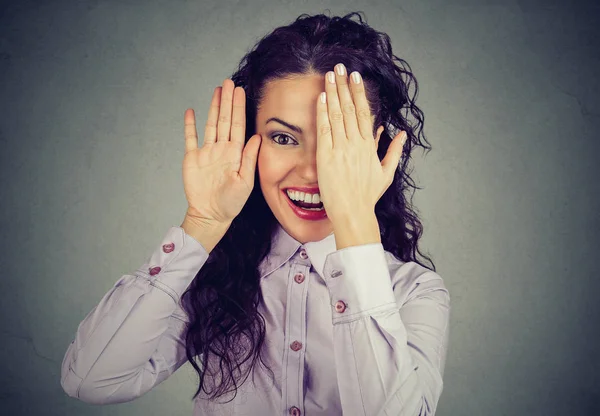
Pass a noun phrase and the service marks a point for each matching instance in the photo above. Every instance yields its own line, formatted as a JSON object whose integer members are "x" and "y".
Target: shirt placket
{"x": 295, "y": 335}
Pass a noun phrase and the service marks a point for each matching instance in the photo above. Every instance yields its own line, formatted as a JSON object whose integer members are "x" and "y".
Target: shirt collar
{"x": 284, "y": 246}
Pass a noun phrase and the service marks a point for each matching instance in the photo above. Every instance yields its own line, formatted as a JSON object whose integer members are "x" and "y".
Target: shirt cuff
{"x": 359, "y": 282}
{"x": 174, "y": 263}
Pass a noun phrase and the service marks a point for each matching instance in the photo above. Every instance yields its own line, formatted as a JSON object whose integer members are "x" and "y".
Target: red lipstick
{"x": 302, "y": 213}
{"x": 313, "y": 190}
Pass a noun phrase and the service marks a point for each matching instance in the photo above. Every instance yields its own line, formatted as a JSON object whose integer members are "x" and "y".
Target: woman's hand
{"x": 219, "y": 176}
{"x": 351, "y": 176}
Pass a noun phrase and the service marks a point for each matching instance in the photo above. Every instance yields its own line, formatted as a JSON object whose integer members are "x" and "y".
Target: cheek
{"x": 267, "y": 171}
{"x": 272, "y": 166}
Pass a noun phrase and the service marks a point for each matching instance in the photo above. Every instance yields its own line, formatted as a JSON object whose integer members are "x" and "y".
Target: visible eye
{"x": 281, "y": 135}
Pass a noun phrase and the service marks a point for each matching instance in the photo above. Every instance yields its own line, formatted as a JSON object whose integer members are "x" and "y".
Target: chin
{"x": 300, "y": 229}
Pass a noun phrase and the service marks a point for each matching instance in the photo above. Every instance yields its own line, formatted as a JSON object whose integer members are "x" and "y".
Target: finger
{"x": 391, "y": 160}
{"x": 224, "y": 124}
{"x": 324, "y": 139}
{"x": 346, "y": 103}
{"x": 336, "y": 118}
{"x": 189, "y": 130}
{"x": 238, "y": 121}
{"x": 379, "y": 131}
{"x": 249, "y": 157}
{"x": 363, "y": 111}
{"x": 210, "y": 129}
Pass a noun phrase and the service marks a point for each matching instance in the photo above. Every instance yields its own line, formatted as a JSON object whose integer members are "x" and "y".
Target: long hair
{"x": 225, "y": 329}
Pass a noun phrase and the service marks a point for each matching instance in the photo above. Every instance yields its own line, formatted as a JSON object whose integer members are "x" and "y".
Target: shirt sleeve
{"x": 389, "y": 357}
{"x": 134, "y": 338}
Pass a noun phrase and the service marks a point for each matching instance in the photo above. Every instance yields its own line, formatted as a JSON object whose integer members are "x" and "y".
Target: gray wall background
{"x": 91, "y": 134}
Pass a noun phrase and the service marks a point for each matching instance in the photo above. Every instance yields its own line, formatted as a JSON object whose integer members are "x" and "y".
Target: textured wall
{"x": 91, "y": 136}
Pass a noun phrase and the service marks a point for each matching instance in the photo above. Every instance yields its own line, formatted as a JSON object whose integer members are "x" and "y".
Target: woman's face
{"x": 290, "y": 161}
{"x": 287, "y": 158}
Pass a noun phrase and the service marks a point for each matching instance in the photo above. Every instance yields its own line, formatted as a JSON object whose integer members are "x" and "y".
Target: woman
{"x": 317, "y": 294}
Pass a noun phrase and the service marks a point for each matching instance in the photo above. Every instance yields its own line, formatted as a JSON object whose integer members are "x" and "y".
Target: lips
{"x": 303, "y": 204}
{"x": 303, "y": 213}
{"x": 305, "y": 189}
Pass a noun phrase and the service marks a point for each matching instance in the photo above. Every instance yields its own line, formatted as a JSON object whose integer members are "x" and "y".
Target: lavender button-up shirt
{"x": 353, "y": 331}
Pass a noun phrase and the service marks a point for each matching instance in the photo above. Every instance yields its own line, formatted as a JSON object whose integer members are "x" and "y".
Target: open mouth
{"x": 305, "y": 205}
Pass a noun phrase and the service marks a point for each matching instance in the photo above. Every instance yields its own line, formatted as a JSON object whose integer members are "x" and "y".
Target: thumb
{"x": 392, "y": 158}
{"x": 249, "y": 157}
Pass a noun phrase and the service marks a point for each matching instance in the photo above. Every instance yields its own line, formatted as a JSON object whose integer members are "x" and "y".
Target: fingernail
{"x": 403, "y": 138}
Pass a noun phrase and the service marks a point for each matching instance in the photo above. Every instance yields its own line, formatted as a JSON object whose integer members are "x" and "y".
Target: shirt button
{"x": 296, "y": 345}
{"x": 299, "y": 278}
{"x": 340, "y": 306}
{"x": 167, "y": 248}
{"x": 294, "y": 411}
{"x": 154, "y": 270}
{"x": 303, "y": 254}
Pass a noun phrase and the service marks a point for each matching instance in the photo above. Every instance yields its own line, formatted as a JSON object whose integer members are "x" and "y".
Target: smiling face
{"x": 287, "y": 158}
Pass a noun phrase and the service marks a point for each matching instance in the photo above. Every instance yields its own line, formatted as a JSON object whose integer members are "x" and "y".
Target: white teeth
{"x": 301, "y": 196}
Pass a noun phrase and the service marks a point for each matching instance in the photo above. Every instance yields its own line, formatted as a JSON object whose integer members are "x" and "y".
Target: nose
{"x": 307, "y": 166}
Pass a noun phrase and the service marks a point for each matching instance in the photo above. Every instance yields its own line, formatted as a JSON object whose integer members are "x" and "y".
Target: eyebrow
{"x": 288, "y": 125}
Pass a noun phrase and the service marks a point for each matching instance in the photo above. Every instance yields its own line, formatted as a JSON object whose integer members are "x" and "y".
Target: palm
{"x": 219, "y": 176}
{"x": 225, "y": 191}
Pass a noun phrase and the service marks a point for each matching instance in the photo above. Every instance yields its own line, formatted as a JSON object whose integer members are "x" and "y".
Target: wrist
{"x": 206, "y": 232}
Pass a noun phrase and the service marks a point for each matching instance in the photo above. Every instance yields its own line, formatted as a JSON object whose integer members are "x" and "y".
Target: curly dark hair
{"x": 225, "y": 329}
